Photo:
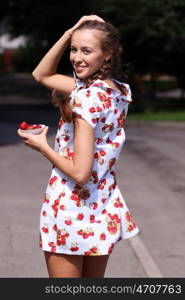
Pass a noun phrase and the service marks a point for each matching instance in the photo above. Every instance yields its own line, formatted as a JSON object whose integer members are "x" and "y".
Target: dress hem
{"x": 136, "y": 231}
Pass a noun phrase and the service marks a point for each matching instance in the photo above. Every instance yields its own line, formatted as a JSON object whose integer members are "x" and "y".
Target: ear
{"x": 108, "y": 56}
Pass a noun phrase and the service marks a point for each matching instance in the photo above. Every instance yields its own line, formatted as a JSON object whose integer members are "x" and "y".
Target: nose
{"x": 77, "y": 57}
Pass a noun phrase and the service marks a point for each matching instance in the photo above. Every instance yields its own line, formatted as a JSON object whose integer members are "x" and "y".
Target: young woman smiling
{"x": 84, "y": 214}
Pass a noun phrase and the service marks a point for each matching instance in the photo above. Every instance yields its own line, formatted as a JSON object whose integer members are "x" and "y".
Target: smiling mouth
{"x": 79, "y": 68}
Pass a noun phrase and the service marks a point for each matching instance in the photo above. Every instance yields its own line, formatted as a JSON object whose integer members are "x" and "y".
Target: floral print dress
{"x": 89, "y": 219}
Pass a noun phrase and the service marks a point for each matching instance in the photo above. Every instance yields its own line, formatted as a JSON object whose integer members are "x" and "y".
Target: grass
{"x": 176, "y": 116}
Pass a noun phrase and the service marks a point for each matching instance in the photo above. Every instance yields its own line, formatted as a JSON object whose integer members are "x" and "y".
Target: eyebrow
{"x": 83, "y": 48}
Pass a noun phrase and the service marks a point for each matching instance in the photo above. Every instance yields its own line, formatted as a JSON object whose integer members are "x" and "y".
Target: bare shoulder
{"x": 62, "y": 83}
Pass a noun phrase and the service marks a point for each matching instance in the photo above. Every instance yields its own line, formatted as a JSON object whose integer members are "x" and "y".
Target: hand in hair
{"x": 86, "y": 18}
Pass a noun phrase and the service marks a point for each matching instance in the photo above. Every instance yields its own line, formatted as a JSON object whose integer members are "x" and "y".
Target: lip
{"x": 79, "y": 69}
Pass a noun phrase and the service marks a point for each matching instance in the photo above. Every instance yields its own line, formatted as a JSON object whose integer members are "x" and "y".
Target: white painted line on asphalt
{"x": 147, "y": 262}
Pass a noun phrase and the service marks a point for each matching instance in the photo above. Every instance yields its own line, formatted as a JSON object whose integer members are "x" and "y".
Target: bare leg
{"x": 94, "y": 266}
{"x": 63, "y": 265}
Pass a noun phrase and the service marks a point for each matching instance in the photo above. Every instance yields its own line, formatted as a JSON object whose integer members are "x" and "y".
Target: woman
{"x": 83, "y": 213}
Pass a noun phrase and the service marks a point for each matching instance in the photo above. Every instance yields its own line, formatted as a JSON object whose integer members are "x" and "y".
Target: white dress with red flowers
{"x": 89, "y": 220}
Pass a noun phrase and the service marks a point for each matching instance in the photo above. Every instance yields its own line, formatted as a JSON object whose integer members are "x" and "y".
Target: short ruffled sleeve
{"x": 126, "y": 93}
{"x": 127, "y": 98}
{"x": 87, "y": 105}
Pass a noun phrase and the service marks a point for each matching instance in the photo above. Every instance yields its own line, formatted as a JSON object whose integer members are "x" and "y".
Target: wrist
{"x": 69, "y": 33}
{"x": 45, "y": 150}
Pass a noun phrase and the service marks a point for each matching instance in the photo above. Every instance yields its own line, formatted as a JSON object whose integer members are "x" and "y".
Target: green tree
{"x": 153, "y": 36}
{"x": 43, "y": 22}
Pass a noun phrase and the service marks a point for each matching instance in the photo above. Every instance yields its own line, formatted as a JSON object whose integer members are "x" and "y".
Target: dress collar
{"x": 124, "y": 91}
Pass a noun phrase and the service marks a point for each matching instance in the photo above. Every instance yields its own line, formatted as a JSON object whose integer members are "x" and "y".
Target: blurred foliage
{"x": 42, "y": 22}
{"x": 153, "y": 36}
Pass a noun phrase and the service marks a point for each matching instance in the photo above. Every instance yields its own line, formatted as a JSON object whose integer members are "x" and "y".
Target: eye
{"x": 86, "y": 51}
{"x": 73, "y": 50}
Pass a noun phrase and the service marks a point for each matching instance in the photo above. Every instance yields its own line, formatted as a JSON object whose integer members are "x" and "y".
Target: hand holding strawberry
{"x": 37, "y": 141}
{"x": 25, "y": 126}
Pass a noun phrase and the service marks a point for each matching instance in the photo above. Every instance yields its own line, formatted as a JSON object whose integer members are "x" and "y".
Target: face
{"x": 86, "y": 54}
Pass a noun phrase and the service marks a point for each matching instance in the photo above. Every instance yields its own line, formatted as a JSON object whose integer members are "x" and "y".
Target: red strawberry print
{"x": 88, "y": 94}
{"x": 118, "y": 203}
{"x": 44, "y": 213}
{"x": 102, "y": 153}
{"x": 103, "y": 236}
{"x": 94, "y": 121}
{"x": 92, "y": 218}
{"x": 80, "y": 216}
{"x": 103, "y": 120}
{"x": 108, "y": 127}
{"x": 94, "y": 205}
{"x": 53, "y": 181}
{"x": 87, "y": 220}
{"x": 74, "y": 247}
{"x": 118, "y": 132}
{"x": 53, "y": 246}
{"x": 46, "y": 198}
{"x": 84, "y": 194}
{"x": 68, "y": 221}
{"x": 112, "y": 162}
{"x": 111, "y": 248}
{"x": 62, "y": 207}
{"x": 99, "y": 141}
{"x": 63, "y": 181}
{"x": 45, "y": 228}
{"x": 61, "y": 122}
{"x": 130, "y": 222}
{"x": 85, "y": 235}
{"x": 92, "y": 110}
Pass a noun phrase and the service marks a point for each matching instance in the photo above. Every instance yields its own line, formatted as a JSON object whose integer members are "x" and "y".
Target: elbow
{"x": 82, "y": 179}
{"x": 36, "y": 76}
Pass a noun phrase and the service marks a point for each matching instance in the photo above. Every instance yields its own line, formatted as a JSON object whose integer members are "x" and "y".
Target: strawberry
{"x": 23, "y": 125}
{"x": 37, "y": 126}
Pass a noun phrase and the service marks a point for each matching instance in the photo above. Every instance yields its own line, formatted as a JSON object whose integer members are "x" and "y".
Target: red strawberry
{"x": 37, "y": 126}
{"x": 23, "y": 125}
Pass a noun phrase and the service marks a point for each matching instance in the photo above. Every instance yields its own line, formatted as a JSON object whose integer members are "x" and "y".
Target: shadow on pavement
{"x": 23, "y": 99}
{"x": 12, "y": 115}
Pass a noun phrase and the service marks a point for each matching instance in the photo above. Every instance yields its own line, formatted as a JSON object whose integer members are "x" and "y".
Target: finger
{"x": 22, "y": 134}
{"x": 45, "y": 130}
{"x": 95, "y": 17}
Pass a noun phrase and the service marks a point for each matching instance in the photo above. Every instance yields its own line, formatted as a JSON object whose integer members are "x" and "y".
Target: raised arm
{"x": 46, "y": 70}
